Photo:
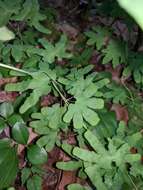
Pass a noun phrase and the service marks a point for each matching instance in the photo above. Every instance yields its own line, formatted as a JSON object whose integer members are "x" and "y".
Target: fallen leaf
{"x": 121, "y": 112}
{"x": 8, "y": 96}
{"x": 68, "y": 177}
{"x": 69, "y": 30}
{"x": 47, "y": 100}
{"x": 7, "y": 80}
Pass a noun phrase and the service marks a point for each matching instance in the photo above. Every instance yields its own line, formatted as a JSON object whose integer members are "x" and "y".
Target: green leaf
{"x": 107, "y": 125}
{"x": 86, "y": 93}
{"x": 37, "y": 84}
{"x": 94, "y": 142}
{"x": 50, "y": 51}
{"x": 2, "y": 125}
{"x": 14, "y": 118}
{"x": 82, "y": 110}
{"x": 34, "y": 183}
{"x": 67, "y": 148}
{"x": 25, "y": 174}
{"x": 82, "y": 58}
{"x": 37, "y": 155}
{"x": 8, "y": 164}
{"x": 76, "y": 186}
{"x": 115, "y": 52}
{"x": 17, "y": 52}
{"x": 36, "y": 169}
{"x": 48, "y": 140}
{"x": 20, "y": 133}
{"x": 53, "y": 116}
{"x": 97, "y": 36}
{"x": 40, "y": 27}
{"x": 134, "y": 8}
{"x": 31, "y": 14}
{"x": 135, "y": 67}
{"x": 69, "y": 166}
{"x": 6, "y": 34}
{"x": 48, "y": 123}
{"x": 117, "y": 93}
{"x": 6, "y": 109}
{"x": 11, "y": 188}
{"x": 94, "y": 175}
{"x": 7, "y": 9}
{"x": 85, "y": 155}
{"x": 107, "y": 157}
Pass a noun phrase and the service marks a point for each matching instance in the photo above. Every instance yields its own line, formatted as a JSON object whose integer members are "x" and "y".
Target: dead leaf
{"x": 48, "y": 100}
{"x": 121, "y": 112}
{"x": 69, "y": 30}
{"x": 8, "y": 96}
{"x": 68, "y": 177}
{"x": 7, "y": 80}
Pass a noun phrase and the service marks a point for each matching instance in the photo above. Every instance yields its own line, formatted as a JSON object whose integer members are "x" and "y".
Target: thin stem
{"x": 28, "y": 73}
{"x": 14, "y": 69}
{"x": 129, "y": 91}
{"x": 64, "y": 99}
{"x": 136, "y": 188}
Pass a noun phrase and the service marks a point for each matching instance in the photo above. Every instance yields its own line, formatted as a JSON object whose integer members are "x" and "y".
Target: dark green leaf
{"x": 8, "y": 164}
{"x": 25, "y": 174}
{"x": 34, "y": 183}
{"x": 37, "y": 155}
{"x": 6, "y": 109}
{"x": 20, "y": 133}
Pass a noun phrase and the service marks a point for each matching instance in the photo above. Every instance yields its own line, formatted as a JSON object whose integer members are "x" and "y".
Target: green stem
{"x": 64, "y": 99}
{"x": 134, "y": 185}
{"x": 28, "y": 73}
{"x": 14, "y": 69}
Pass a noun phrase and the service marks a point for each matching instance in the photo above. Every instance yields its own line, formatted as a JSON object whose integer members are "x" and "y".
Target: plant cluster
{"x": 31, "y": 55}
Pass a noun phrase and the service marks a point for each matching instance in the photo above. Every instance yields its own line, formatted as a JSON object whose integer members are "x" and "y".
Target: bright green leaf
{"x": 69, "y": 166}
{"x": 6, "y": 34}
{"x": 134, "y": 8}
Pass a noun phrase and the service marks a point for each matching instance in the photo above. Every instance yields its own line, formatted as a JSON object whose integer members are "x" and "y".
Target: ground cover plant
{"x": 71, "y": 80}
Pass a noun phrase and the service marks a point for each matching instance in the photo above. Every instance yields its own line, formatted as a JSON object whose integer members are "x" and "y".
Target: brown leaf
{"x": 52, "y": 176}
{"x": 121, "y": 112}
{"x": 68, "y": 177}
{"x": 47, "y": 100}
{"x": 7, "y": 80}
{"x": 116, "y": 72}
{"x": 8, "y": 96}
{"x": 69, "y": 30}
